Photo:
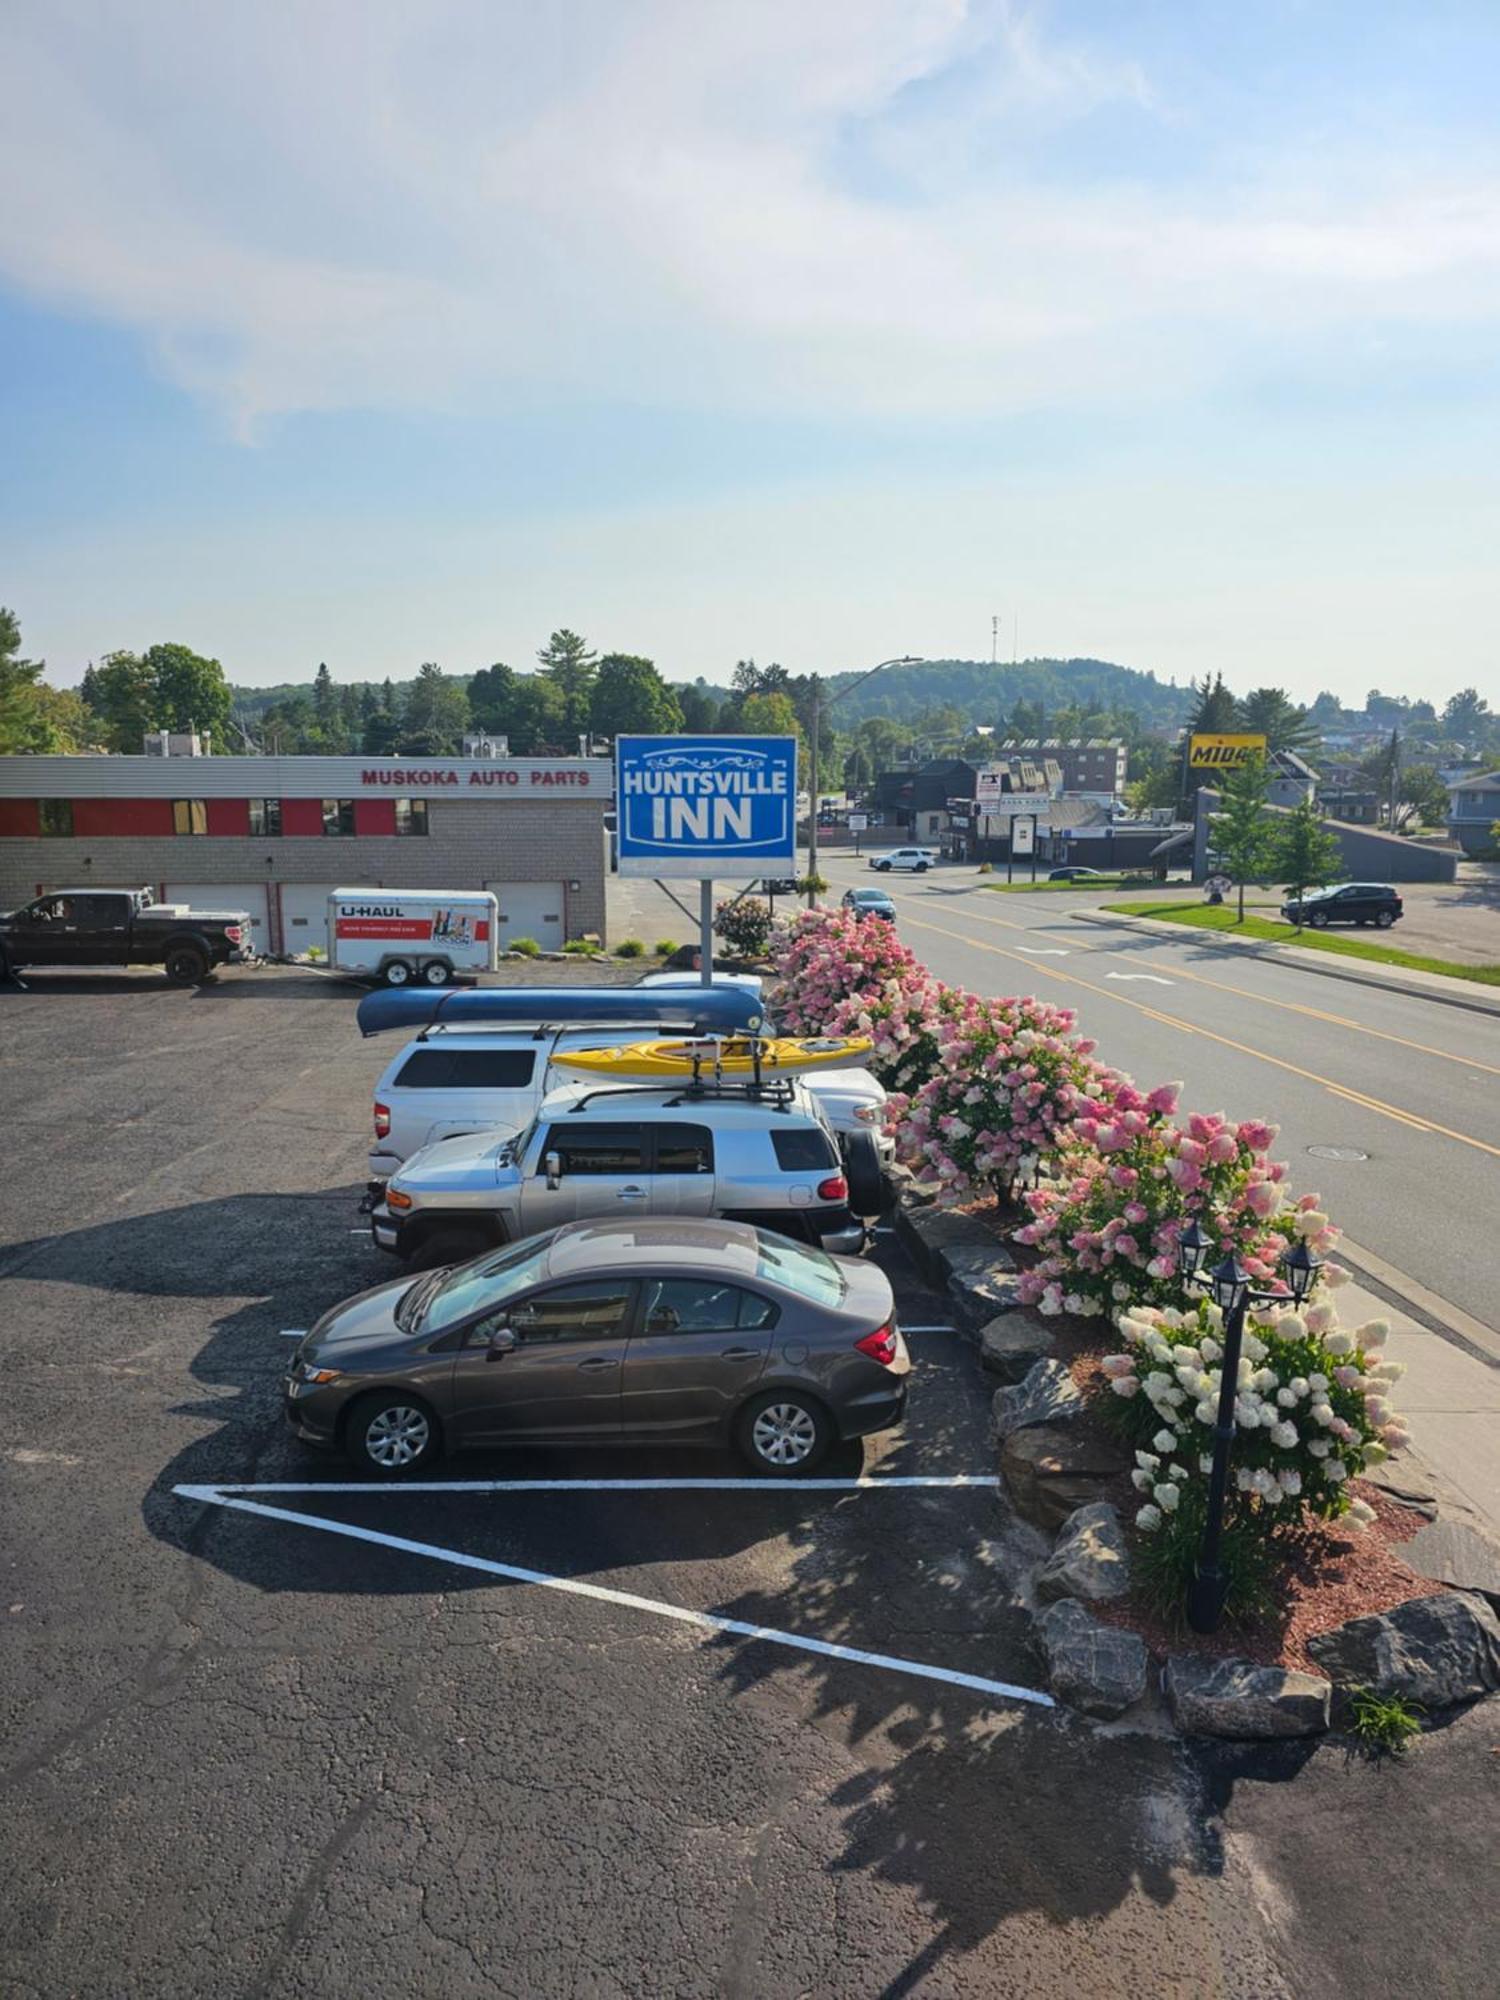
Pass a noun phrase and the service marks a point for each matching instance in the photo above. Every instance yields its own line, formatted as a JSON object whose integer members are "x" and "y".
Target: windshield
{"x": 515, "y": 1148}
{"x": 799, "y": 1267}
{"x": 436, "y": 1303}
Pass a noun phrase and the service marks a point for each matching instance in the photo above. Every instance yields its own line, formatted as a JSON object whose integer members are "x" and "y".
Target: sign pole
{"x": 1010, "y": 850}
{"x": 1034, "y": 827}
{"x": 705, "y": 933}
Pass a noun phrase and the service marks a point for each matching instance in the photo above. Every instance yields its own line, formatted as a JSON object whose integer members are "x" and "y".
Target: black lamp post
{"x": 1228, "y": 1284}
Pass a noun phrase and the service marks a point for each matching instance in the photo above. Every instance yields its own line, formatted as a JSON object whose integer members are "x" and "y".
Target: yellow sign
{"x": 1224, "y": 753}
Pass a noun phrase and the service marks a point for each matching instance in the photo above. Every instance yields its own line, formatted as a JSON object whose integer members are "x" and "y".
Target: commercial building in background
{"x": 1094, "y": 764}
{"x": 1474, "y": 811}
{"x": 276, "y": 835}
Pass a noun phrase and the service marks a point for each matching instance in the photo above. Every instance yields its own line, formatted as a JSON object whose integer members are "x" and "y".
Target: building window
{"x": 56, "y": 816}
{"x": 265, "y": 817}
{"x": 189, "y": 816}
{"x": 411, "y": 815}
{"x": 338, "y": 816}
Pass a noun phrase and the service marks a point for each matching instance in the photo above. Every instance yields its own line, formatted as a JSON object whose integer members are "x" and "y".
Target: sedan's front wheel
{"x": 784, "y": 1433}
{"x": 390, "y": 1434}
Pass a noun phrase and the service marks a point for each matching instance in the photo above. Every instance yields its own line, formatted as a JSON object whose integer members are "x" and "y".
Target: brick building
{"x": 275, "y": 835}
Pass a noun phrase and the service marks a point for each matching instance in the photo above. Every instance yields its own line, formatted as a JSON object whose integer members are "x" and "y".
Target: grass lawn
{"x": 1221, "y": 917}
{"x": 1093, "y": 882}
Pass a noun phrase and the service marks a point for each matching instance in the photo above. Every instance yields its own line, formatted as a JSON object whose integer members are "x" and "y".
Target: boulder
{"x": 1091, "y": 1666}
{"x": 1091, "y": 1560}
{"x": 977, "y": 1260}
{"x": 1238, "y": 1699}
{"x": 1463, "y": 1557}
{"x": 937, "y": 1232}
{"x": 979, "y": 1296}
{"x": 1013, "y": 1342}
{"x": 1048, "y": 1395}
{"x": 1431, "y": 1650}
{"x": 1050, "y": 1470}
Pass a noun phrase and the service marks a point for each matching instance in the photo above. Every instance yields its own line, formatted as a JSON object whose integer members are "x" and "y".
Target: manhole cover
{"x": 1337, "y": 1153}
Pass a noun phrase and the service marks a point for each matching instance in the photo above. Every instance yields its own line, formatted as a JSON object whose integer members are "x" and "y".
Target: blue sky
{"x": 819, "y": 334}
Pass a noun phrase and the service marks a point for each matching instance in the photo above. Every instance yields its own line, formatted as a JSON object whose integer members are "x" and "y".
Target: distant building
{"x": 1087, "y": 763}
{"x": 1354, "y": 805}
{"x": 1292, "y": 781}
{"x": 1473, "y": 808}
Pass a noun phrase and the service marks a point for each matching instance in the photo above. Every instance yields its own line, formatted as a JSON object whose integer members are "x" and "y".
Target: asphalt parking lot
{"x": 523, "y": 1729}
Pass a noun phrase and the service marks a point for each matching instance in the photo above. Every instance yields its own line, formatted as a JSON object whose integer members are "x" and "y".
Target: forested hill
{"x": 988, "y": 693}
{"x": 983, "y": 692}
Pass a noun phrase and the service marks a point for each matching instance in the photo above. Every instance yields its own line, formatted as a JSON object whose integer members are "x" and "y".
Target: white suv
{"x": 767, "y": 1158}
{"x": 450, "y": 1081}
{"x": 917, "y": 859}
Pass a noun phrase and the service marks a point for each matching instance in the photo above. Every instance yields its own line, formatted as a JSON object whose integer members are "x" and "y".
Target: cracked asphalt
{"x": 249, "y": 1758}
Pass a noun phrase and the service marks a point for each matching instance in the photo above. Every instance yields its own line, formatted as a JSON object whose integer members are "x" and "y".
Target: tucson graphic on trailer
{"x": 706, "y": 805}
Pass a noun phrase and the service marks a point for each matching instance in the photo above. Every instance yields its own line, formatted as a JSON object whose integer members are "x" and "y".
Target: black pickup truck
{"x": 70, "y": 927}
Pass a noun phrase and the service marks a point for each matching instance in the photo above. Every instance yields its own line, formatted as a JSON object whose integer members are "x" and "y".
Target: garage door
{"x": 251, "y": 896}
{"x": 532, "y": 909}
{"x": 304, "y": 915}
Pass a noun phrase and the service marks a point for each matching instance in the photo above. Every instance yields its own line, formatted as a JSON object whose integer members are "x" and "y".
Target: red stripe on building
{"x": 19, "y": 818}
{"x": 121, "y": 819}
{"x": 374, "y": 816}
{"x": 302, "y": 816}
{"x": 230, "y": 817}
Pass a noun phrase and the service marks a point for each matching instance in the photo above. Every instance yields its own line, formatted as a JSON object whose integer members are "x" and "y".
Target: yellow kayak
{"x": 728, "y": 1055}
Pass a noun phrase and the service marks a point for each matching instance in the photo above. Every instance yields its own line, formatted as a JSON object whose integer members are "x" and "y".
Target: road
{"x": 1387, "y": 1104}
{"x": 461, "y": 1740}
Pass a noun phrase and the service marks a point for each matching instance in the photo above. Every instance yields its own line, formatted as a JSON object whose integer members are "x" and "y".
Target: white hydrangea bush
{"x": 1312, "y": 1409}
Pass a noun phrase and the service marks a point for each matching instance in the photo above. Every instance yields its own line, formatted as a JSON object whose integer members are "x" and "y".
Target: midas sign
{"x": 1224, "y": 753}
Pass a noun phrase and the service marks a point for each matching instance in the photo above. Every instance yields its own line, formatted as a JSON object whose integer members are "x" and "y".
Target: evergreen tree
{"x": 325, "y": 701}
{"x": 437, "y": 713}
{"x": 1305, "y": 856}
{"x": 1243, "y": 836}
{"x": 1270, "y": 712}
{"x": 570, "y": 667}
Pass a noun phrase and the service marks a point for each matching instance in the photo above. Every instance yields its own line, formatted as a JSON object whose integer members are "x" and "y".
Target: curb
{"x": 1434, "y": 986}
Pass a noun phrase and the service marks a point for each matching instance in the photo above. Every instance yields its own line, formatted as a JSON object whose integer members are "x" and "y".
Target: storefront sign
{"x": 706, "y": 806}
{"x": 1224, "y": 752}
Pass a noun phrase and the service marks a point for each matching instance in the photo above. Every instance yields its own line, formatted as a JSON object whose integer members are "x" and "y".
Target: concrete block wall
{"x": 468, "y": 843}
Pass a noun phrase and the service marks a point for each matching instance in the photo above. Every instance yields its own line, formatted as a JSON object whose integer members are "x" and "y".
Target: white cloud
{"x": 470, "y": 202}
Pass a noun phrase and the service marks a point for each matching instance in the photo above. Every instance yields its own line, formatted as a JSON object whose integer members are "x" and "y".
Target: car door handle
{"x": 738, "y": 1353}
{"x": 596, "y": 1364}
{"x": 631, "y": 1194}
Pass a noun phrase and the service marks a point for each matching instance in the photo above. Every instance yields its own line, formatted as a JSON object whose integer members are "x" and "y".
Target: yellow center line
{"x": 1401, "y": 1117}
{"x": 1287, "y": 1006}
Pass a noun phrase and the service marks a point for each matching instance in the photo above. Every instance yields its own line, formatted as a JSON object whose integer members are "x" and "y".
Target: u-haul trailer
{"x": 407, "y": 936}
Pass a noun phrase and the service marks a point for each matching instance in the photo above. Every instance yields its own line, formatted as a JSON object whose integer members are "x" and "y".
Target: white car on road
{"x": 917, "y": 859}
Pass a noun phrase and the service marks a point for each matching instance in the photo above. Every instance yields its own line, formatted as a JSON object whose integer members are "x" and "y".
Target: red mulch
{"x": 1336, "y": 1573}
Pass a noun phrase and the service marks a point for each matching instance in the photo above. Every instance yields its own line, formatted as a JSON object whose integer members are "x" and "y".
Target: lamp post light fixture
{"x": 814, "y": 786}
{"x": 1230, "y": 1287}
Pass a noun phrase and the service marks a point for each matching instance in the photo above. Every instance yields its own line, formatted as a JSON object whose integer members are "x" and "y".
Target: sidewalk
{"x": 1436, "y": 986}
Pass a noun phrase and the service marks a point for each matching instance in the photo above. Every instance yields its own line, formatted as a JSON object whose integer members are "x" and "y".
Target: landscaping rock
{"x": 1432, "y": 1650}
{"x": 976, "y": 1260}
{"x": 1050, "y": 1471}
{"x": 938, "y": 1231}
{"x": 1092, "y": 1667}
{"x": 979, "y": 1296}
{"x": 1048, "y": 1395}
{"x": 1238, "y": 1699}
{"x": 1090, "y": 1561}
{"x": 1452, "y": 1553}
{"x": 1013, "y": 1342}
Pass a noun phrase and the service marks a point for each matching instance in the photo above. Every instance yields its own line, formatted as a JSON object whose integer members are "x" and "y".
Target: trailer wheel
{"x": 436, "y": 972}
{"x": 396, "y": 972}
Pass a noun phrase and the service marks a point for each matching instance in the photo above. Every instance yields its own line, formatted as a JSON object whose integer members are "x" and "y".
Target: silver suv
{"x": 766, "y": 1158}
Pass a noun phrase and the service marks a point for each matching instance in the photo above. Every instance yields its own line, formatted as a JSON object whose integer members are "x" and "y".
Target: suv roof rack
{"x": 779, "y": 1093}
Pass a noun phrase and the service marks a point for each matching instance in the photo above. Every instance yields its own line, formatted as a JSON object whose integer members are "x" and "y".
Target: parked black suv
{"x": 1346, "y": 903}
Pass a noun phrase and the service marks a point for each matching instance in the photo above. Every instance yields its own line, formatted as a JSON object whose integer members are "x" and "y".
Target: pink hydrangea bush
{"x": 1130, "y": 1180}
{"x": 845, "y": 975}
{"x": 1312, "y": 1410}
{"x": 1009, "y": 1078}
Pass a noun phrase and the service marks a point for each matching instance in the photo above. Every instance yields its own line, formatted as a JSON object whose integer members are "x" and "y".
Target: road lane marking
{"x": 1136, "y": 978}
{"x": 703, "y": 1621}
{"x": 1225, "y": 1041}
{"x": 1043, "y": 950}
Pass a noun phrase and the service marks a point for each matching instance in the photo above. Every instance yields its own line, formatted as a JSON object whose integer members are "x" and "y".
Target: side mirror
{"x": 502, "y": 1342}
{"x": 552, "y": 1163}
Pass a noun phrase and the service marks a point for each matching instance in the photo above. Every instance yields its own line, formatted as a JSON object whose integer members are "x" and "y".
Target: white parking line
{"x": 393, "y": 1489}
{"x": 926, "y": 1329}
{"x": 293, "y": 1332}
{"x": 705, "y": 1621}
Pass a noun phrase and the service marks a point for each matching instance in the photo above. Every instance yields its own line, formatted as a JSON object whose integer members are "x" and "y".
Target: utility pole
{"x": 1395, "y": 781}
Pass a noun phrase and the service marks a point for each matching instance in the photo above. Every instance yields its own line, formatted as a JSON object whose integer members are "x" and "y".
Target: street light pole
{"x": 816, "y": 689}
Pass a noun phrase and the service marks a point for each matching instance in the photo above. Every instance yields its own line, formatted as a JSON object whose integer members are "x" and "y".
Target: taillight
{"x": 233, "y": 932}
{"x": 382, "y": 1121}
{"x": 835, "y": 1188}
{"x": 880, "y": 1345}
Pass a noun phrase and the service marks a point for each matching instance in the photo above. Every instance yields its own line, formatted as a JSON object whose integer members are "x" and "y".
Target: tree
{"x": 1305, "y": 856}
{"x": 774, "y": 715}
{"x": 700, "y": 710}
{"x": 437, "y": 713}
{"x": 124, "y": 701}
{"x": 382, "y": 734}
{"x": 1215, "y": 709}
{"x": 492, "y": 697}
{"x": 23, "y": 727}
{"x": 325, "y": 701}
{"x": 1424, "y": 796}
{"x": 1243, "y": 837}
{"x": 630, "y": 695}
{"x": 1467, "y": 716}
{"x": 351, "y": 717}
{"x": 1270, "y": 712}
{"x": 191, "y": 692}
{"x": 570, "y": 667}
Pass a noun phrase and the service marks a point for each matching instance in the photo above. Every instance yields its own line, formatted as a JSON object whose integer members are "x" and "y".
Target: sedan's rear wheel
{"x": 390, "y": 1434}
{"x": 784, "y": 1433}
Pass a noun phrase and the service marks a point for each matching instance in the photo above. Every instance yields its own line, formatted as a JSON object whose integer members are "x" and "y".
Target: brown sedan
{"x": 650, "y": 1332}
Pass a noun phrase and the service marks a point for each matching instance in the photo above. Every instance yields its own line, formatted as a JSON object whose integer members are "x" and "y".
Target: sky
{"x": 379, "y": 331}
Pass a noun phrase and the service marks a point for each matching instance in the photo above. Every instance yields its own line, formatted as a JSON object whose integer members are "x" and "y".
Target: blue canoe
{"x": 704, "y": 1010}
